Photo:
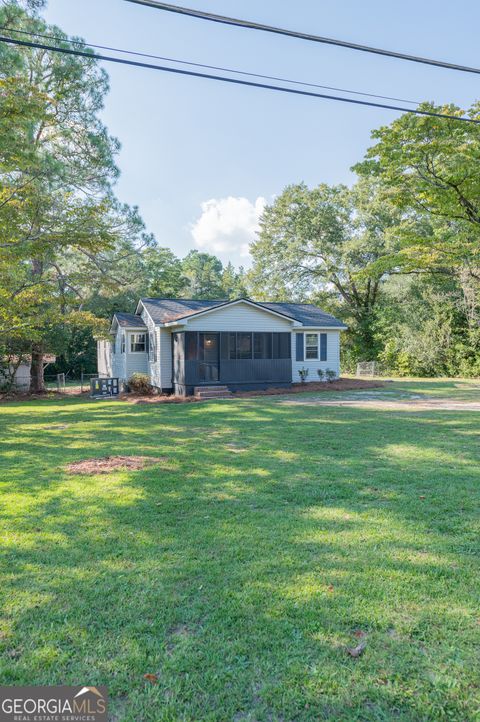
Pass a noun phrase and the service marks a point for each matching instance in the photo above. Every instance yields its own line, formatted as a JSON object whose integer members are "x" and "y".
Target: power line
{"x": 250, "y": 25}
{"x": 235, "y": 81}
{"x": 203, "y": 65}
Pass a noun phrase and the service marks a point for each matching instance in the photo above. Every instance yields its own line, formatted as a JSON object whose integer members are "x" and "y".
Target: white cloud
{"x": 227, "y": 226}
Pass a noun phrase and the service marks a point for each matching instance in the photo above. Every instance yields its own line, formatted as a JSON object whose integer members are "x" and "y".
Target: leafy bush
{"x": 321, "y": 374}
{"x": 330, "y": 375}
{"x": 303, "y": 373}
{"x": 140, "y": 384}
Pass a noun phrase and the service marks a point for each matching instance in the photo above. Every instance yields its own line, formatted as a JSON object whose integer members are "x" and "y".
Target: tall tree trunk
{"x": 37, "y": 383}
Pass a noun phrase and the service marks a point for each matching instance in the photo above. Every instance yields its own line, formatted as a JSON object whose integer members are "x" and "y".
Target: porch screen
{"x": 247, "y": 346}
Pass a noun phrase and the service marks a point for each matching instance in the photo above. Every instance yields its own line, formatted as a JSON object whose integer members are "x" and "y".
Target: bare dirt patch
{"x": 313, "y": 387}
{"x": 113, "y": 463}
{"x": 47, "y": 394}
{"x": 428, "y": 404}
{"x": 157, "y": 399}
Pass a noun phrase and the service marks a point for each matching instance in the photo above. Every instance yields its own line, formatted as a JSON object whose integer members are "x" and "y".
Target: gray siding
{"x": 240, "y": 317}
{"x": 104, "y": 358}
{"x": 123, "y": 365}
{"x": 166, "y": 372}
{"x": 153, "y": 360}
{"x": 333, "y": 356}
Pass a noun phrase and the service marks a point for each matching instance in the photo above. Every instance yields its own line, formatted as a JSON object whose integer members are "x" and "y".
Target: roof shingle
{"x": 165, "y": 310}
{"x": 129, "y": 320}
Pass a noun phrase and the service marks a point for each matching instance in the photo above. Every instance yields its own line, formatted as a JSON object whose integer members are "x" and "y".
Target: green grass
{"x": 239, "y": 570}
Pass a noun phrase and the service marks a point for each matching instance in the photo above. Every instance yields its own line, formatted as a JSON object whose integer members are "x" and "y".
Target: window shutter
{"x": 300, "y": 344}
{"x": 323, "y": 347}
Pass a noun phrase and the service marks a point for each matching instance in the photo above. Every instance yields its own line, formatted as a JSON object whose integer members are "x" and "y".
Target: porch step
{"x": 212, "y": 392}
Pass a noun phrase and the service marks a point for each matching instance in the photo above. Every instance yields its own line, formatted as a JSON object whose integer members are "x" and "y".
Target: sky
{"x": 201, "y": 159}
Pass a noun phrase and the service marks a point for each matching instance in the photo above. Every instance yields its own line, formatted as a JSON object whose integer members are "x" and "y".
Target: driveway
{"x": 382, "y": 400}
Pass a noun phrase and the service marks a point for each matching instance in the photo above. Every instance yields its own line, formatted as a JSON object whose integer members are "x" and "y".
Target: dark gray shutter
{"x": 323, "y": 347}
{"x": 299, "y": 339}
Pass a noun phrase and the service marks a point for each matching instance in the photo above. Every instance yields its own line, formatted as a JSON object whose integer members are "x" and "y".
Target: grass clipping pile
{"x": 112, "y": 463}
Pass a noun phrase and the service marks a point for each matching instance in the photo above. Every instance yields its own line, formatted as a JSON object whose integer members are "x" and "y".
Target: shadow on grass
{"x": 240, "y": 569}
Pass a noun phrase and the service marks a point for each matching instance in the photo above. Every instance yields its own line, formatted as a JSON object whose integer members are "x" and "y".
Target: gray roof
{"x": 129, "y": 320}
{"x": 164, "y": 310}
{"x": 306, "y": 313}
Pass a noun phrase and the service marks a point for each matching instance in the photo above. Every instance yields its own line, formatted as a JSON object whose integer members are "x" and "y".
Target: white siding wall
{"x": 118, "y": 359}
{"x": 153, "y": 361}
{"x": 240, "y": 317}
{"x": 123, "y": 365}
{"x": 135, "y": 362}
{"x": 104, "y": 358}
{"x": 165, "y": 339}
{"x": 22, "y": 376}
{"x": 333, "y": 356}
{"x": 21, "y": 379}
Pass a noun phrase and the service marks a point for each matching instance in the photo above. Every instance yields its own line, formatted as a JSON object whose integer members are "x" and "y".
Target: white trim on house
{"x": 307, "y": 329}
{"x": 311, "y": 346}
{"x": 144, "y": 310}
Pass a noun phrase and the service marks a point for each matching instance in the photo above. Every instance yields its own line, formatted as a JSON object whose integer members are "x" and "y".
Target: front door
{"x": 209, "y": 357}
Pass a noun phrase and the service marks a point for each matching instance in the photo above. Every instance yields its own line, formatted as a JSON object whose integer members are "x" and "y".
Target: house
{"x": 15, "y": 371}
{"x": 242, "y": 345}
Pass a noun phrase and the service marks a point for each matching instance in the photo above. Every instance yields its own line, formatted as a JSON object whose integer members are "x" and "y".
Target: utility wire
{"x": 250, "y": 25}
{"x": 203, "y": 65}
{"x": 235, "y": 81}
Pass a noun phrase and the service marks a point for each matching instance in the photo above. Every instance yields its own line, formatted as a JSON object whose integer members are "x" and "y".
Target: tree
{"x": 428, "y": 168}
{"x": 323, "y": 240}
{"x": 234, "y": 283}
{"x": 204, "y": 276}
{"x": 164, "y": 273}
{"x": 60, "y": 224}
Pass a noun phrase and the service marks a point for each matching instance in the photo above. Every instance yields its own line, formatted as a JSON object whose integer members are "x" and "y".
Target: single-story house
{"x": 241, "y": 345}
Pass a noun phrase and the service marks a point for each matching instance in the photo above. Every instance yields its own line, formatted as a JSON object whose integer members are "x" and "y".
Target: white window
{"x": 122, "y": 343}
{"x": 137, "y": 343}
{"x": 311, "y": 345}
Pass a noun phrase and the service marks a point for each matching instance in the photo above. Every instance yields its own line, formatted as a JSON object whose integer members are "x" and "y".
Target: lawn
{"x": 239, "y": 570}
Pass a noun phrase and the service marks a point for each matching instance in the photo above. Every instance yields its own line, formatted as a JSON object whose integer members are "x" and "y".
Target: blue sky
{"x": 201, "y": 158}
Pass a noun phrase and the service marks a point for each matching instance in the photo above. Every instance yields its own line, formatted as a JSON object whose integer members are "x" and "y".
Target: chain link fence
{"x": 368, "y": 369}
{"x": 69, "y": 382}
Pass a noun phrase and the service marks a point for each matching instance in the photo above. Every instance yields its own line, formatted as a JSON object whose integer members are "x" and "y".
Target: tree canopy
{"x": 61, "y": 228}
